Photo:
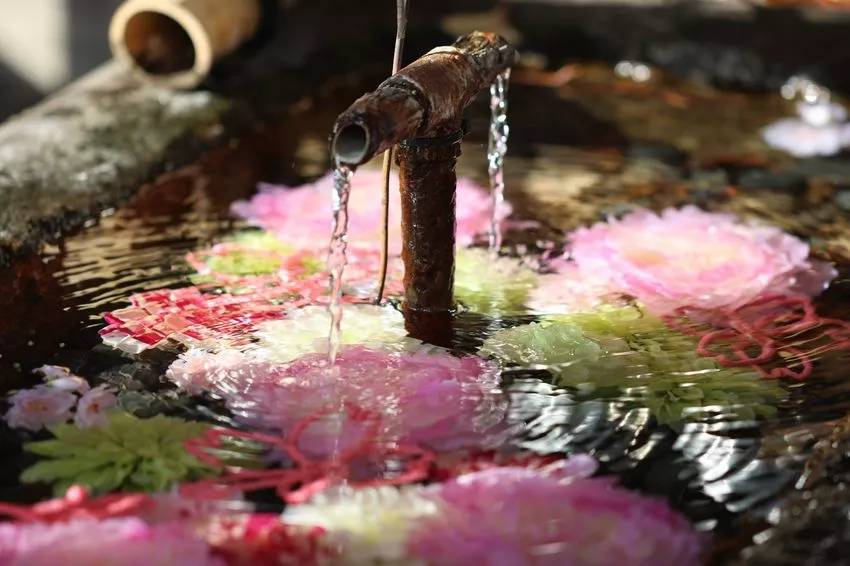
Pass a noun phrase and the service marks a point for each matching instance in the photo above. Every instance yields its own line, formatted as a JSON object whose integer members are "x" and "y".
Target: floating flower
{"x": 690, "y": 257}
{"x": 124, "y": 453}
{"x": 820, "y": 129}
{"x": 193, "y": 317}
{"x": 110, "y": 542}
{"x": 299, "y": 216}
{"x": 427, "y": 397}
{"x": 491, "y": 285}
{"x": 33, "y": 409}
{"x": 305, "y": 331}
{"x": 93, "y": 407}
{"x": 507, "y": 515}
{"x": 626, "y": 349}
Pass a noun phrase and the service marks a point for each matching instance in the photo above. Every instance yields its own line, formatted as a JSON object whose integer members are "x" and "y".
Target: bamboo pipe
{"x": 424, "y": 99}
{"x": 175, "y": 42}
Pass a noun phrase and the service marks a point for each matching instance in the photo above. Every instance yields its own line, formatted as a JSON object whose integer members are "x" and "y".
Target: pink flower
{"x": 93, "y": 407}
{"x": 111, "y": 542}
{"x": 300, "y": 216}
{"x": 41, "y": 406}
{"x": 691, "y": 257}
{"x": 431, "y": 398}
{"x": 512, "y": 515}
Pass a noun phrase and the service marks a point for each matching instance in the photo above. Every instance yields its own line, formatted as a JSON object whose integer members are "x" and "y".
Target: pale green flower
{"x": 126, "y": 453}
{"x": 492, "y": 285}
{"x": 305, "y": 331}
{"x": 623, "y": 348}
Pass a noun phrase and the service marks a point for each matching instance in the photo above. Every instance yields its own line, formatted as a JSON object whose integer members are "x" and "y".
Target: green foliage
{"x": 127, "y": 454}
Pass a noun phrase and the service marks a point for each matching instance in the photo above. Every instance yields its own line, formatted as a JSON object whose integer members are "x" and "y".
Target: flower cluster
{"x": 53, "y": 402}
{"x": 299, "y": 215}
{"x": 507, "y": 515}
{"x": 690, "y": 257}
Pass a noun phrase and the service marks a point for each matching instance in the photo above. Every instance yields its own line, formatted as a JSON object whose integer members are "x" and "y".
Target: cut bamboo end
{"x": 175, "y": 42}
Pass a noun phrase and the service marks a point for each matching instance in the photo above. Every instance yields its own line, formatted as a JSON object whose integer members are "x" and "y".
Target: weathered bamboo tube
{"x": 176, "y": 42}
{"x": 421, "y": 99}
{"x": 423, "y": 104}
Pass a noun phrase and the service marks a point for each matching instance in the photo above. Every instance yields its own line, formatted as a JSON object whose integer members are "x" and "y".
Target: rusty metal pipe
{"x": 422, "y": 100}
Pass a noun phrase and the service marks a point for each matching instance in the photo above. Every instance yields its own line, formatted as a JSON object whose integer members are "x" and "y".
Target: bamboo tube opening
{"x": 158, "y": 44}
{"x": 176, "y": 42}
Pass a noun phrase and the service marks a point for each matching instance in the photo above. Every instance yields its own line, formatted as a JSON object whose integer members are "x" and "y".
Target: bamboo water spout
{"x": 421, "y": 107}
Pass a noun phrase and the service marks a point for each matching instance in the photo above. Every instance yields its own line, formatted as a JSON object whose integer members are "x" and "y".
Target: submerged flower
{"x": 507, "y": 515}
{"x": 625, "y": 349}
{"x": 124, "y": 453}
{"x": 305, "y": 331}
{"x": 33, "y": 409}
{"x": 492, "y": 285}
{"x": 253, "y": 260}
{"x": 300, "y": 215}
{"x": 691, "y": 257}
{"x": 94, "y": 405}
{"x": 110, "y": 542}
{"x": 426, "y": 397}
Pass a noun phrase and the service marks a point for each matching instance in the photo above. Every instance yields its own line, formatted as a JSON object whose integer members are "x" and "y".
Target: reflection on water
{"x": 667, "y": 410}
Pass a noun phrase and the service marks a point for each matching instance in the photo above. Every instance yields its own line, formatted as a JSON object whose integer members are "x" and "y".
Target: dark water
{"x": 607, "y": 146}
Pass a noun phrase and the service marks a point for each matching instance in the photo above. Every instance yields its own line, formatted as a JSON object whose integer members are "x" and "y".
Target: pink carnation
{"x": 430, "y": 398}
{"x": 118, "y": 542}
{"x": 301, "y": 216}
{"x": 526, "y": 516}
{"x": 691, "y": 257}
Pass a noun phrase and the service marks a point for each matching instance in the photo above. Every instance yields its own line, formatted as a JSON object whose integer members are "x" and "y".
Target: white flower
{"x": 41, "y": 406}
{"x": 370, "y": 525}
{"x": 93, "y": 407}
{"x": 305, "y": 331}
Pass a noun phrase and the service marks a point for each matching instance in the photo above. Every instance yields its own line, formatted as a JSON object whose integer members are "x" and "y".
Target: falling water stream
{"x": 497, "y": 147}
{"x": 336, "y": 254}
